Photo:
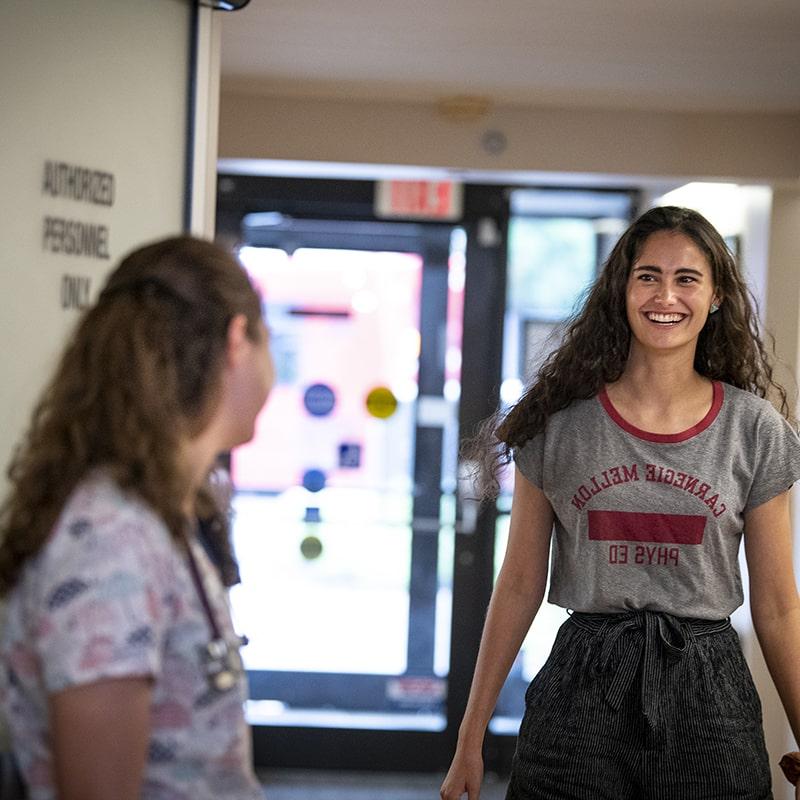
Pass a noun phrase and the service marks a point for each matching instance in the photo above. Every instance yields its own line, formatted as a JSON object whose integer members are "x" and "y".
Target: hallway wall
{"x": 748, "y": 147}
{"x": 89, "y": 88}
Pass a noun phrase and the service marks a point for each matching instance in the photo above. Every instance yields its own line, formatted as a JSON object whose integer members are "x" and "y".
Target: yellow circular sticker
{"x": 381, "y": 403}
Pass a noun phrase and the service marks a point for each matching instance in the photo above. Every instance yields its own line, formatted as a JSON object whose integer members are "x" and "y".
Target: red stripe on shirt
{"x": 629, "y": 526}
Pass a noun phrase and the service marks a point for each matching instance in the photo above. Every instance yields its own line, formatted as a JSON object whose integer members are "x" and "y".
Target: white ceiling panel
{"x": 683, "y": 54}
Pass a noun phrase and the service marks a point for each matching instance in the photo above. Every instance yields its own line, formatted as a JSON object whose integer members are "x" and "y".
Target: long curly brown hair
{"x": 594, "y": 349}
{"x": 140, "y": 374}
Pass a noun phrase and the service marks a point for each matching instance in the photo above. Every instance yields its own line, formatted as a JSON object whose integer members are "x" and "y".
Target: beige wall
{"x": 783, "y": 288}
{"x": 627, "y": 142}
{"x": 102, "y": 84}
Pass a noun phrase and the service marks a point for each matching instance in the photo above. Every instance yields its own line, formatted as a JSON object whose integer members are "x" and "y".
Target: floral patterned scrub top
{"x": 109, "y": 596}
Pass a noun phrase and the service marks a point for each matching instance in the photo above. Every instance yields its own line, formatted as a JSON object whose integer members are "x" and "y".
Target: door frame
{"x": 346, "y": 205}
{"x": 347, "y": 209}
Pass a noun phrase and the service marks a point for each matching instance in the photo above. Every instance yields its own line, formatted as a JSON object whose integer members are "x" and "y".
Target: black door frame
{"x": 348, "y": 207}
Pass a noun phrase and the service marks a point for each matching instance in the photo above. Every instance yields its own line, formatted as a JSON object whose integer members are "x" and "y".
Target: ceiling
{"x": 710, "y": 55}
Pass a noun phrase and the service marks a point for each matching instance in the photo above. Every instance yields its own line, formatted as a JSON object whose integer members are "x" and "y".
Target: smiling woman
{"x": 645, "y": 452}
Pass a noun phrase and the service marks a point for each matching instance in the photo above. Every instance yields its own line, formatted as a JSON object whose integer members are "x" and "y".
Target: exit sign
{"x": 434, "y": 200}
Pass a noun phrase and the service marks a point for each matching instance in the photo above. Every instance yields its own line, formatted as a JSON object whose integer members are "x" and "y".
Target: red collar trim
{"x": 665, "y": 438}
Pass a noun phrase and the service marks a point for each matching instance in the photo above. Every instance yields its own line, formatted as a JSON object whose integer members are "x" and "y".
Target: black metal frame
{"x": 486, "y": 209}
{"x": 191, "y": 110}
{"x": 347, "y": 206}
{"x": 339, "y": 214}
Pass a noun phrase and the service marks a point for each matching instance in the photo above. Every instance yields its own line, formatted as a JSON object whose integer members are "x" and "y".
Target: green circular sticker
{"x": 381, "y": 403}
{"x": 311, "y": 547}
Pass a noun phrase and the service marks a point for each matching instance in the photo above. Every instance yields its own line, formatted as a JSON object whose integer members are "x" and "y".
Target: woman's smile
{"x": 664, "y": 319}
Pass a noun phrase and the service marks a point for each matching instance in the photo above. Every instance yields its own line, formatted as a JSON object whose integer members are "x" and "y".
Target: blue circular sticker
{"x": 319, "y": 399}
{"x": 314, "y": 480}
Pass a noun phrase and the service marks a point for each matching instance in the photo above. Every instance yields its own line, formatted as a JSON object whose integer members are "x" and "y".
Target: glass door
{"x": 344, "y": 512}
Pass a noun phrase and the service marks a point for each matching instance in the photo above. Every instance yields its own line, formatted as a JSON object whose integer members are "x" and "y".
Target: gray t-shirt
{"x": 653, "y": 521}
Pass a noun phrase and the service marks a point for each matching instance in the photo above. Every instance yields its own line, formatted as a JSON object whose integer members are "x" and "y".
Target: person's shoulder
{"x": 98, "y": 493}
{"x": 572, "y": 416}
{"x": 105, "y": 539}
{"x": 741, "y": 401}
{"x": 741, "y": 397}
{"x": 575, "y": 410}
{"x": 100, "y": 513}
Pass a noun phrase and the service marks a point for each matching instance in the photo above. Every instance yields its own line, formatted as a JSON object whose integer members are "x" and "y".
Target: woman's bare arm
{"x": 100, "y": 735}
{"x": 774, "y": 602}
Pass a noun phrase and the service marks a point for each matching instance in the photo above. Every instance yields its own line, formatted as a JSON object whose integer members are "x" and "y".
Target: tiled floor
{"x": 314, "y": 785}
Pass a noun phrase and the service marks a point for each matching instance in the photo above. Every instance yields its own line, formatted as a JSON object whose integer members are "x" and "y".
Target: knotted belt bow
{"x": 665, "y": 638}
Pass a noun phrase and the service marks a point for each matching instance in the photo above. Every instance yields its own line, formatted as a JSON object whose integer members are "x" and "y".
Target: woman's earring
{"x": 714, "y": 308}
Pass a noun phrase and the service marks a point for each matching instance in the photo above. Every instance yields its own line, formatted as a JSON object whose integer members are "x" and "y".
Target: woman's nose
{"x": 665, "y": 294}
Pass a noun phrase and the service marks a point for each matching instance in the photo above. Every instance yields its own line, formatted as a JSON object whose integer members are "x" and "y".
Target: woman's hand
{"x": 464, "y": 776}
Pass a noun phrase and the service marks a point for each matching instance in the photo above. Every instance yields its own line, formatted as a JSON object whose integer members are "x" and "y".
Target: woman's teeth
{"x": 653, "y": 317}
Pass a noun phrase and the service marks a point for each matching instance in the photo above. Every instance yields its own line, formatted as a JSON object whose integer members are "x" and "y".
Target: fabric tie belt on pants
{"x": 664, "y": 638}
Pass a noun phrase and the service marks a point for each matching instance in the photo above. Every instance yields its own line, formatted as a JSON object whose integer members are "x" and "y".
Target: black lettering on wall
{"x": 75, "y": 291}
{"x": 74, "y": 238}
{"x": 74, "y": 182}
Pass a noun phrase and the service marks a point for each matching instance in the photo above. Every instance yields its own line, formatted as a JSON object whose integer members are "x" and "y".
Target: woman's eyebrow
{"x": 679, "y": 271}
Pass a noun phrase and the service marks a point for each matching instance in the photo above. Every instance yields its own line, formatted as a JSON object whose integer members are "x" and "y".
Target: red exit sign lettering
{"x": 435, "y": 200}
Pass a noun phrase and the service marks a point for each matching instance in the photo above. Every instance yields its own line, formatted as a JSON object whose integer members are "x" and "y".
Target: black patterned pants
{"x": 642, "y": 706}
